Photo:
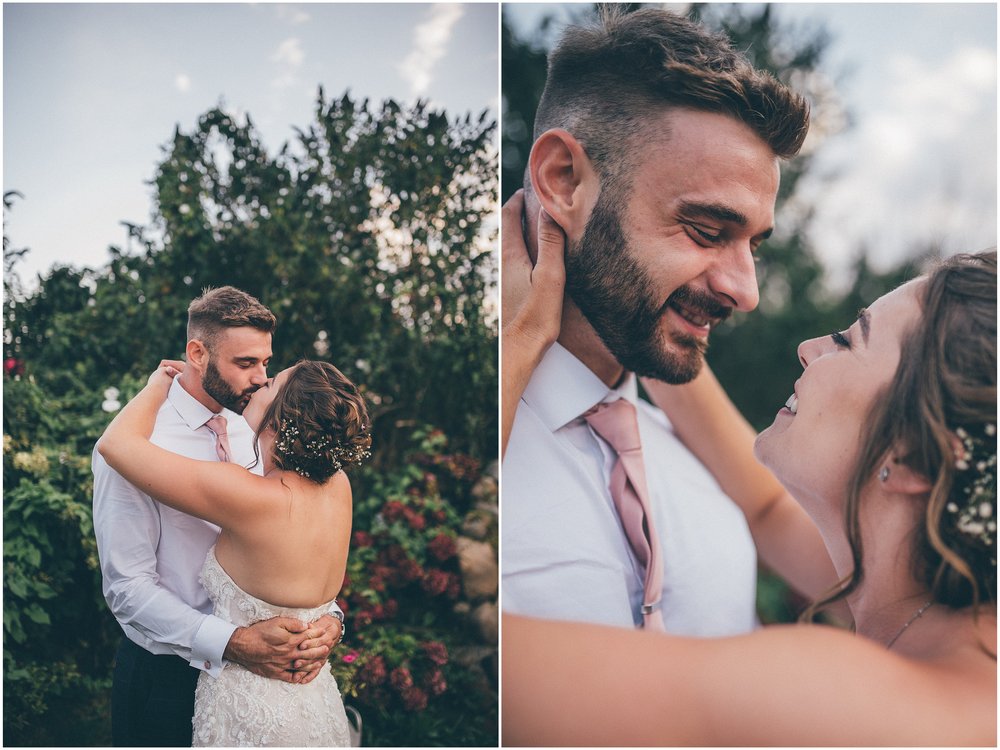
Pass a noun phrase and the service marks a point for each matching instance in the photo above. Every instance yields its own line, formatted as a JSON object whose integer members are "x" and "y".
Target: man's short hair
{"x": 608, "y": 80}
{"x": 226, "y": 307}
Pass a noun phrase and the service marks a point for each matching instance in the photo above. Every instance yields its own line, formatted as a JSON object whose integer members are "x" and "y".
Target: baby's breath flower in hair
{"x": 975, "y": 511}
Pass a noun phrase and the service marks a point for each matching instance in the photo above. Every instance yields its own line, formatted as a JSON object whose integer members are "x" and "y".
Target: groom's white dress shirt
{"x": 151, "y": 555}
{"x": 564, "y": 552}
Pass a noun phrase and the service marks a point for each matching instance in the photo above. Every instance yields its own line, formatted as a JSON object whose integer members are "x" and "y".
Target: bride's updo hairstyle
{"x": 938, "y": 416}
{"x": 320, "y": 422}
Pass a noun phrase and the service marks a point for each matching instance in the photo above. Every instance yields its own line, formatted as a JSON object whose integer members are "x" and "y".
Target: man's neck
{"x": 191, "y": 383}
{"x": 582, "y": 341}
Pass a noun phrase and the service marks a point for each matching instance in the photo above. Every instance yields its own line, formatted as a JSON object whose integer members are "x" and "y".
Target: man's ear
{"x": 564, "y": 180}
{"x": 197, "y": 354}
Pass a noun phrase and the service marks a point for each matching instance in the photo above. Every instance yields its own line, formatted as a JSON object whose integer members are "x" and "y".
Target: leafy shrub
{"x": 405, "y": 613}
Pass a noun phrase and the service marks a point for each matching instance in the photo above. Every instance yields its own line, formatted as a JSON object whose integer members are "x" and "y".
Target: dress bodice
{"x": 233, "y": 604}
{"x": 241, "y": 708}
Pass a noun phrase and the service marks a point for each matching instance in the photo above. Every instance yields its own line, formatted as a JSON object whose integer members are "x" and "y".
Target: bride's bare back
{"x": 292, "y": 550}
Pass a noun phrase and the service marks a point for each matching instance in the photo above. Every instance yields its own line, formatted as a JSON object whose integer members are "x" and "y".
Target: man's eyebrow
{"x": 719, "y": 212}
{"x": 865, "y": 319}
{"x": 249, "y": 360}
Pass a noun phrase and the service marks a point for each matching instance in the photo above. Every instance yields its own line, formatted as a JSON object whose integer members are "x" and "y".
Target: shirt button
{"x": 208, "y": 665}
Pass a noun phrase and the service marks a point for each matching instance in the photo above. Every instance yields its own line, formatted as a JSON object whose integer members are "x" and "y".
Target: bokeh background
{"x": 340, "y": 163}
{"x": 899, "y": 167}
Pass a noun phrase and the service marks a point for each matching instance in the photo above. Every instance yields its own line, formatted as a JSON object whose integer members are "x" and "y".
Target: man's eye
{"x": 705, "y": 234}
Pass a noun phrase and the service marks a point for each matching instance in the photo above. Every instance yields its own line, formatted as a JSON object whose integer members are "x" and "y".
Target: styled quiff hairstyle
{"x": 320, "y": 422}
{"x": 226, "y": 307}
{"x": 945, "y": 385}
{"x": 608, "y": 81}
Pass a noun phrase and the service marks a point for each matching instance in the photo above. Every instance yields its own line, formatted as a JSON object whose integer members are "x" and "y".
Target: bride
{"x": 284, "y": 540}
{"x": 889, "y": 443}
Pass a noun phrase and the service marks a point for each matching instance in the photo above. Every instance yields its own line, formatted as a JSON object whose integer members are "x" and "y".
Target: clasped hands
{"x": 284, "y": 648}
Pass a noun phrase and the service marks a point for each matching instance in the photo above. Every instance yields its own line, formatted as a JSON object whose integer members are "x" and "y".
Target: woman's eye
{"x": 840, "y": 340}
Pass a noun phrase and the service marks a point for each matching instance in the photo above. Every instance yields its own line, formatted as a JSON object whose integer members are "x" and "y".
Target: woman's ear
{"x": 563, "y": 179}
{"x": 899, "y": 479}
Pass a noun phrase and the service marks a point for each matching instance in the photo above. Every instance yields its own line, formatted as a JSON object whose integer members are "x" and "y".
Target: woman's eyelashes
{"x": 840, "y": 340}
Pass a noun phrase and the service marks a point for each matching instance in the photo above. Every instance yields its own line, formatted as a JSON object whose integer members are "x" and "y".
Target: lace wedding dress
{"x": 240, "y": 708}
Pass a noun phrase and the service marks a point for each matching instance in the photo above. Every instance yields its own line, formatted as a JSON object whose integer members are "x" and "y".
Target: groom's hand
{"x": 308, "y": 668}
{"x": 269, "y": 648}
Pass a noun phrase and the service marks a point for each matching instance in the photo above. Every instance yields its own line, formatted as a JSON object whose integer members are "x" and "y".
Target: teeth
{"x": 692, "y": 318}
{"x": 793, "y": 404}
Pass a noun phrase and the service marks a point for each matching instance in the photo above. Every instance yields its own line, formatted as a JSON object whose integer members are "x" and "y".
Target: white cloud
{"x": 289, "y": 56}
{"x": 289, "y": 52}
{"x": 429, "y": 45}
{"x": 917, "y": 170}
{"x": 182, "y": 83}
{"x": 291, "y": 14}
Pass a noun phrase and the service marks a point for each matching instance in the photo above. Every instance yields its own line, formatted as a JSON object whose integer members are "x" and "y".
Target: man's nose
{"x": 735, "y": 277}
{"x": 259, "y": 376}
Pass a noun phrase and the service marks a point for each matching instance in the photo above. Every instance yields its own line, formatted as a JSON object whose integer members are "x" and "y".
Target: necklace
{"x": 916, "y": 615}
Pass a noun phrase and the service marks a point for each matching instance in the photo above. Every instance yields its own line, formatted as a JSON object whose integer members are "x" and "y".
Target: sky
{"x": 918, "y": 163}
{"x": 93, "y": 92}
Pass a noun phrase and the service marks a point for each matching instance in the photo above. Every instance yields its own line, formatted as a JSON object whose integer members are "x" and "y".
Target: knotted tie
{"x": 616, "y": 423}
{"x": 217, "y": 425}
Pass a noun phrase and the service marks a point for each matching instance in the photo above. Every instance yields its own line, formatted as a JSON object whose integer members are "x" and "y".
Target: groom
{"x": 151, "y": 555}
{"x": 657, "y": 151}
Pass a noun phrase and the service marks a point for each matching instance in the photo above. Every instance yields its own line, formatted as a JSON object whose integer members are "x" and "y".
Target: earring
{"x": 884, "y": 474}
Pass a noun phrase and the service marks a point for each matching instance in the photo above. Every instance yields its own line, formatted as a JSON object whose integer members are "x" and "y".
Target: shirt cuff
{"x": 336, "y": 611}
{"x": 210, "y": 644}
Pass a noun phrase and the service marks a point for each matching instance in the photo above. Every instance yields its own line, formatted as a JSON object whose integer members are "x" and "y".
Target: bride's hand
{"x": 532, "y": 295}
{"x": 166, "y": 371}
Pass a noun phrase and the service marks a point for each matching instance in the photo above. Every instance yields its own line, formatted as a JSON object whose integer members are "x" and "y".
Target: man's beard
{"x": 618, "y": 299}
{"x": 219, "y": 389}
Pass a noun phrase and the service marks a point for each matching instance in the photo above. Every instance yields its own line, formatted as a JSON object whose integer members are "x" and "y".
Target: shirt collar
{"x": 562, "y": 388}
{"x": 192, "y": 411}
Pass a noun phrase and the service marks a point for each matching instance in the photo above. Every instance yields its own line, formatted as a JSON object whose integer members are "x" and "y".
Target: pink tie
{"x": 617, "y": 424}
{"x": 217, "y": 425}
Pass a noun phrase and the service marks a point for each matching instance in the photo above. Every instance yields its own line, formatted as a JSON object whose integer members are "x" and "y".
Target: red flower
{"x": 435, "y": 682}
{"x": 410, "y": 570}
{"x": 350, "y": 656}
{"x": 435, "y": 582}
{"x": 362, "y": 539}
{"x": 414, "y": 699}
{"x": 401, "y": 679}
{"x": 13, "y": 366}
{"x": 374, "y": 672}
{"x": 436, "y": 651}
{"x": 415, "y": 520}
{"x": 393, "y": 510}
{"x": 442, "y": 547}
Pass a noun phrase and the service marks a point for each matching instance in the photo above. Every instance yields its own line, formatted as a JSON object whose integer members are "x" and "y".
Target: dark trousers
{"x": 152, "y": 699}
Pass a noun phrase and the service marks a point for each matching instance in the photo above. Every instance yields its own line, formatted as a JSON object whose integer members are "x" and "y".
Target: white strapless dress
{"x": 242, "y": 709}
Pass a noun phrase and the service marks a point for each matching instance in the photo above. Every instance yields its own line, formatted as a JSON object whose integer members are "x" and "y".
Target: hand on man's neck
{"x": 577, "y": 336}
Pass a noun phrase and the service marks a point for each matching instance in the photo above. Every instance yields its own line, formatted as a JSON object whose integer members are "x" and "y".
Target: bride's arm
{"x": 222, "y": 493}
{"x": 785, "y": 685}
{"x": 716, "y": 432}
{"x": 532, "y": 304}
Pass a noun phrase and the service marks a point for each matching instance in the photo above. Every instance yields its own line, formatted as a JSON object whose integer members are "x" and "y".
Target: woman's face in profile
{"x": 812, "y": 446}
{"x": 263, "y": 397}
